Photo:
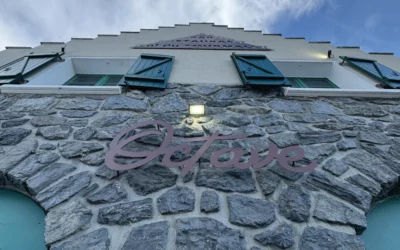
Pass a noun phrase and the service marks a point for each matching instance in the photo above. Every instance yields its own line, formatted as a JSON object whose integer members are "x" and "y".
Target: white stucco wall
{"x": 208, "y": 66}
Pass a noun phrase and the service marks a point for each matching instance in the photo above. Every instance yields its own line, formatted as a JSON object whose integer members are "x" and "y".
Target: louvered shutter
{"x": 258, "y": 70}
{"x": 375, "y": 69}
{"x": 149, "y": 71}
{"x": 15, "y": 71}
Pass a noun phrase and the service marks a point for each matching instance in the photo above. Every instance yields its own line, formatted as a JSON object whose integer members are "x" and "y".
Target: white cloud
{"x": 27, "y": 22}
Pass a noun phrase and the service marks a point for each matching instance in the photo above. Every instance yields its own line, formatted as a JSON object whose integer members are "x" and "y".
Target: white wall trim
{"x": 45, "y": 89}
{"x": 314, "y": 92}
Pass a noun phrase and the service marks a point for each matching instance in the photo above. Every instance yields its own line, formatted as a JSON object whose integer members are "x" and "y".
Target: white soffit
{"x": 311, "y": 92}
{"x": 45, "y": 89}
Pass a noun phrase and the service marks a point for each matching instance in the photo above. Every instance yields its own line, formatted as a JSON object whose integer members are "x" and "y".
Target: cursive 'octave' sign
{"x": 285, "y": 156}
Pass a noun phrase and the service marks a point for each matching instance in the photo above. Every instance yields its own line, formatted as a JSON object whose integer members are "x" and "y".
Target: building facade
{"x": 62, "y": 106}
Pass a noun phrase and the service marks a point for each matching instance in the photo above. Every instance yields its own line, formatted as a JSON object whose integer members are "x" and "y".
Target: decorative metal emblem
{"x": 202, "y": 41}
{"x": 289, "y": 154}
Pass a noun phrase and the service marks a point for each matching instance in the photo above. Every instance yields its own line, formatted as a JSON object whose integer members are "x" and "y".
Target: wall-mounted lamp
{"x": 330, "y": 54}
{"x": 197, "y": 109}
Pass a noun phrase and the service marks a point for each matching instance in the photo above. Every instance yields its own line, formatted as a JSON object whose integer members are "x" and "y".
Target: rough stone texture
{"x": 365, "y": 110}
{"x": 66, "y": 220}
{"x": 287, "y": 106}
{"x": 28, "y": 167}
{"x": 249, "y": 212}
{"x": 367, "y": 129}
{"x": 283, "y": 140}
{"x": 295, "y": 203}
{"x": 322, "y": 238}
{"x": 206, "y": 233}
{"x": 375, "y": 168}
{"x": 55, "y": 132}
{"x": 77, "y": 113}
{"x": 345, "y": 191}
{"x": 206, "y": 90}
{"x": 50, "y": 120}
{"x": 290, "y": 175}
{"x": 125, "y": 103}
{"x": 113, "y": 192}
{"x": 84, "y": 134}
{"x": 335, "y": 167}
{"x": 42, "y": 112}
{"x": 363, "y": 183}
{"x": 372, "y": 137}
{"x": 209, "y": 202}
{"x": 47, "y": 146}
{"x": 346, "y": 144}
{"x": 108, "y": 120}
{"x": 314, "y": 137}
{"x": 64, "y": 190}
{"x": 28, "y": 104}
{"x": 106, "y": 173}
{"x": 79, "y": 104}
{"x": 8, "y": 115}
{"x": 308, "y": 118}
{"x": 329, "y": 210}
{"x": 15, "y": 155}
{"x": 176, "y": 200}
{"x": 267, "y": 181}
{"x": 153, "y": 236}
{"x": 151, "y": 179}
{"x": 13, "y": 136}
{"x": 126, "y": 213}
{"x": 72, "y": 149}
{"x": 249, "y": 110}
{"x": 47, "y": 176}
{"x": 79, "y": 123}
{"x": 235, "y": 121}
{"x": 14, "y": 123}
{"x": 281, "y": 236}
{"x": 94, "y": 159}
{"x": 169, "y": 103}
{"x": 325, "y": 108}
{"x": 95, "y": 240}
{"x": 225, "y": 179}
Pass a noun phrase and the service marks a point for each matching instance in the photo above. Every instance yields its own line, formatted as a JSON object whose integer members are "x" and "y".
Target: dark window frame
{"x": 100, "y": 82}
{"x": 300, "y": 81}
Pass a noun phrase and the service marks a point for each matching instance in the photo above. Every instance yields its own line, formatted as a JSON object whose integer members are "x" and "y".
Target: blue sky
{"x": 371, "y": 24}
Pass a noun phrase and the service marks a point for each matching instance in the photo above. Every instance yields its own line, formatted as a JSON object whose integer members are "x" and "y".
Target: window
{"x": 94, "y": 80}
{"x": 258, "y": 70}
{"x": 388, "y": 77}
{"x": 383, "y": 225}
{"x": 298, "y": 82}
{"x": 15, "y": 71}
{"x": 21, "y": 222}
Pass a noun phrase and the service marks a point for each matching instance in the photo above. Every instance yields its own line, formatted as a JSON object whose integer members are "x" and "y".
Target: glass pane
{"x": 383, "y": 226}
{"x": 21, "y": 222}
{"x": 85, "y": 80}
{"x": 294, "y": 83}
{"x": 112, "y": 81}
{"x": 317, "y": 83}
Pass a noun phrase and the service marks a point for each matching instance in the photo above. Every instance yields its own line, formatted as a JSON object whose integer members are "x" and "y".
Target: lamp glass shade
{"x": 196, "y": 109}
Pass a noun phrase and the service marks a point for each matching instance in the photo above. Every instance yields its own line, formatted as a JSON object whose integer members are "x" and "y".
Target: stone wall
{"x": 52, "y": 148}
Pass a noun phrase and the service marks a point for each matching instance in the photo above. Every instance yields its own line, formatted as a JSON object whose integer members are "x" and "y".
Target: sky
{"x": 371, "y": 24}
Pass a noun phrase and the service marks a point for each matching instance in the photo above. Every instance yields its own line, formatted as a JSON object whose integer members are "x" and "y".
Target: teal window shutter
{"x": 386, "y": 75}
{"x": 258, "y": 70}
{"x": 149, "y": 71}
{"x": 15, "y": 71}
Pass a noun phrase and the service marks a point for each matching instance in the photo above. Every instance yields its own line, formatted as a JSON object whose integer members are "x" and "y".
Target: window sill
{"x": 57, "y": 89}
{"x": 311, "y": 92}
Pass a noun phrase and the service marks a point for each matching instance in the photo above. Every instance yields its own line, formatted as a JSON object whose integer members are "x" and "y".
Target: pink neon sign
{"x": 165, "y": 149}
